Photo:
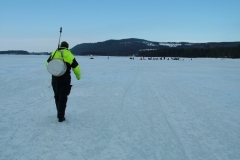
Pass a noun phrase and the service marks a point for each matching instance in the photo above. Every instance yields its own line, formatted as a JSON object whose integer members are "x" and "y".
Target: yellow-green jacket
{"x": 69, "y": 59}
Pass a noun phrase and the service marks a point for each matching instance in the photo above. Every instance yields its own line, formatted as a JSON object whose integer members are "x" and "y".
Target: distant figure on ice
{"x": 91, "y": 57}
{"x": 62, "y": 84}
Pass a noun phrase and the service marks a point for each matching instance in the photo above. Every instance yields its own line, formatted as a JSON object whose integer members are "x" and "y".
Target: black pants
{"x": 61, "y": 89}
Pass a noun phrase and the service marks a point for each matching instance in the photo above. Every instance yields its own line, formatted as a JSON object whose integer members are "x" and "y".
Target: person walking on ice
{"x": 61, "y": 83}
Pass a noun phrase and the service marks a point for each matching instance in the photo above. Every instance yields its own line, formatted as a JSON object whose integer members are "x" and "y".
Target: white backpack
{"x": 57, "y": 67}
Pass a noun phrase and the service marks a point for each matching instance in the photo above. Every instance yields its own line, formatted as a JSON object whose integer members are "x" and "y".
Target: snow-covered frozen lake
{"x": 122, "y": 109}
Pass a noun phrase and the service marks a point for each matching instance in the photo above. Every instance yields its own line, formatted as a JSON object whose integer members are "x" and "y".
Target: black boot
{"x": 61, "y": 119}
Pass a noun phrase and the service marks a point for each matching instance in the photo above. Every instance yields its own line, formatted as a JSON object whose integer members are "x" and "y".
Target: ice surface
{"x": 122, "y": 109}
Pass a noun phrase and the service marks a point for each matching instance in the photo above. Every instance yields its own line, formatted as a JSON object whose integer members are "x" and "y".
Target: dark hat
{"x": 64, "y": 44}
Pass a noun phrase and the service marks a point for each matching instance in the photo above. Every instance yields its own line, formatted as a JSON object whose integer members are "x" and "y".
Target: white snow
{"x": 122, "y": 109}
{"x": 170, "y": 44}
{"x": 147, "y": 49}
{"x": 149, "y": 43}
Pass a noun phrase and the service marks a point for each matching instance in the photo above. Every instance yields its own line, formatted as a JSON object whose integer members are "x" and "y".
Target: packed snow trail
{"x": 122, "y": 109}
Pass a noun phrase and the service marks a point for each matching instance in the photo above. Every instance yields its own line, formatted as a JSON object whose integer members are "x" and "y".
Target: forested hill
{"x": 141, "y": 47}
{"x": 21, "y": 52}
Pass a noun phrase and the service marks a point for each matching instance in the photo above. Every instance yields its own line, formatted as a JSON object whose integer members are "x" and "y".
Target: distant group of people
{"x": 161, "y": 58}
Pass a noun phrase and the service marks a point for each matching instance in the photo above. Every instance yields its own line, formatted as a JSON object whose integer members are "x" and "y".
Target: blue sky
{"x": 33, "y": 25}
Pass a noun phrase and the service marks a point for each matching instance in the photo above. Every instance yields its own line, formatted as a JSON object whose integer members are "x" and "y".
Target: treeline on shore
{"x": 214, "y": 52}
{"x": 21, "y": 52}
{"x": 218, "y": 52}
